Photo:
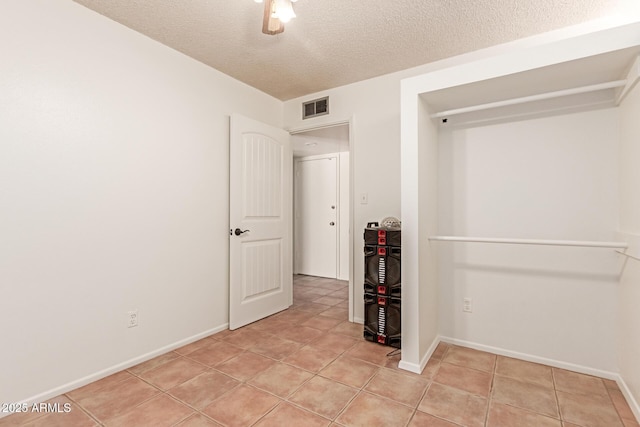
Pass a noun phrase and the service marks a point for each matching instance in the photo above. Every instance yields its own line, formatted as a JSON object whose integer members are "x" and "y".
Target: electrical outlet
{"x": 467, "y": 305}
{"x": 132, "y": 317}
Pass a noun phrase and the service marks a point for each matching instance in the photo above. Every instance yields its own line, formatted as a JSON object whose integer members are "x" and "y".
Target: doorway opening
{"x": 322, "y": 205}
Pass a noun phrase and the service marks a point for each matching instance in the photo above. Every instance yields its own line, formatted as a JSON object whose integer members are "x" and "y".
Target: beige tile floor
{"x": 308, "y": 366}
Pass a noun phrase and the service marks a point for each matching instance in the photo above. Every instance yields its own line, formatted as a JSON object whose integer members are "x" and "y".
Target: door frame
{"x": 350, "y": 122}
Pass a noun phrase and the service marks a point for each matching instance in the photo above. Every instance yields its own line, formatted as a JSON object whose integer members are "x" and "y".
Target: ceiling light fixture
{"x": 276, "y": 14}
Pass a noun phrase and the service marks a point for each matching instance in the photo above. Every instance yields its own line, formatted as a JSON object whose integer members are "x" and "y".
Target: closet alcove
{"x": 518, "y": 198}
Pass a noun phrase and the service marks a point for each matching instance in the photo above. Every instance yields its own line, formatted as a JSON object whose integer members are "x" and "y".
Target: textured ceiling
{"x": 336, "y": 42}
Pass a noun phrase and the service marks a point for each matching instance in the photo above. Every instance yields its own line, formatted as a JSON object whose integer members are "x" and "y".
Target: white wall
{"x": 428, "y": 203}
{"x": 113, "y": 194}
{"x": 628, "y": 347}
{"x": 549, "y": 178}
{"x": 419, "y": 215}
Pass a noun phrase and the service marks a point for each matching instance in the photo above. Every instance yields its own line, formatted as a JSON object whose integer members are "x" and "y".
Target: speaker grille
{"x": 382, "y": 320}
{"x": 382, "y": 265}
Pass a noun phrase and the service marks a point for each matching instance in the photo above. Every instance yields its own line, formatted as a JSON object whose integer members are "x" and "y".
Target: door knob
{"x": 332, "y": 223}
{"x": 238, "y": 232}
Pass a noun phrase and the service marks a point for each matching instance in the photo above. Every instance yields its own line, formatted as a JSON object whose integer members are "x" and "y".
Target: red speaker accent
{"x": 391, "y": 236}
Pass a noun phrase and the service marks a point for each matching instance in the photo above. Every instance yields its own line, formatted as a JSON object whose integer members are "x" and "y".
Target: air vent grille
{"x": 317, "y": 107}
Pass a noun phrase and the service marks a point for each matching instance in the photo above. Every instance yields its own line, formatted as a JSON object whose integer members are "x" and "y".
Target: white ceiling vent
{"x": 317, "y": 107}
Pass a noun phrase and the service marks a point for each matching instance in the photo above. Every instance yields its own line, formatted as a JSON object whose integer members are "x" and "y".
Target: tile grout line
{"x": 167, "y": 394}
{"x": 555, "y": 393}
{"x": 490, "y": 396}
{"x": 83, "y": 409}
{"x": 267, "y": 413}
{"x": 440, "y": 361}
{"x": 415, "y": 410}
{"x": 103, "y": 422}
{"x": 317, "y": 374}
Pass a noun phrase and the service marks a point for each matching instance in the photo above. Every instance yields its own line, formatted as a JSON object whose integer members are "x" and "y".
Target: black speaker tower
{"x": 382, "y": 285}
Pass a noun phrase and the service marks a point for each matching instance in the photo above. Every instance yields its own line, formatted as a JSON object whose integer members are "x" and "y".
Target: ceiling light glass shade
{"x": 283, "y": 10}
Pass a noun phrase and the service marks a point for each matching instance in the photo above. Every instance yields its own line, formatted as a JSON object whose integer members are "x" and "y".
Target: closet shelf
{"x": 581, "y": 243}
{"x": 538, "y": 97}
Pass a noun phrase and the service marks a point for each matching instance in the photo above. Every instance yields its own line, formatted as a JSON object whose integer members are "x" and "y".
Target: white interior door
{"x": 260, "y": 257}
{"x": 316, "y": 219}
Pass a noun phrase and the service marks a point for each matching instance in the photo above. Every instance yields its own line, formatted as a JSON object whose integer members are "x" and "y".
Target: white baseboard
{"x": 411, "y": 367}
{"x": 117, "y": 368}
{"x": 633, "y": 403}
{"x": 418, "y": 368}
{"x": 535, "y": 359}
{"x": 358, "y": 320}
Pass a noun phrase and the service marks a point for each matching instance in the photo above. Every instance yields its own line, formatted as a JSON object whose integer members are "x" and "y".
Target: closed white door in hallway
{"x": 316, "y": 216}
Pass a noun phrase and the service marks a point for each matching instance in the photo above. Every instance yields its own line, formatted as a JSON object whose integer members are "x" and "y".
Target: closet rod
{"x": 582, "y": 243}
{"x": 538, "y": 97}
{"x": 628, "y": 255}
